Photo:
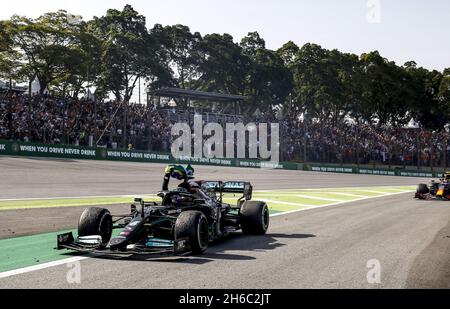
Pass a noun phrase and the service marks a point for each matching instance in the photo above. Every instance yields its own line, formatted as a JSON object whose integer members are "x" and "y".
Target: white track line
{"x": 286, "y": 203}
{"x": 375, "y": 192}
{"x": 79, "y": 258}
{"x": 347, "y": 194}
{"x": 73, "y": 197}
{"x": 318, "y": 198}
{"x": 340, "y": 188}
{"x": 28, "y": 269}
{"x": 339, "y": 203}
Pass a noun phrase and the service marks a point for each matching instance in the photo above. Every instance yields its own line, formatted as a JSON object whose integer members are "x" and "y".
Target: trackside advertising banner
{"x": 368, "y": 171}
{"x": 264, "y": 164}
{"x": 127, "y": 155}
{"x": 13, "y": 148}
{"x": 74, "y": 152}
{"x": 52, "y": 151}
{"x": 207, "y": 161}
{"x": 330, "y": 169}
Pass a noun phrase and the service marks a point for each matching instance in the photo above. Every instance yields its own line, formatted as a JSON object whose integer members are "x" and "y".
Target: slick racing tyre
{"x": 254, "y": 218}
{"x": 194, "y": 226}
{"x": 423, "y": 189}
{"x": 96, "y": 221}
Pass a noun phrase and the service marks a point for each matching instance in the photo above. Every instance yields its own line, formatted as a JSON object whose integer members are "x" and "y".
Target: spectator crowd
{"x": 81, "y": 122}
{"x": 344, "y": 142}
{"x": 85, "y": 122}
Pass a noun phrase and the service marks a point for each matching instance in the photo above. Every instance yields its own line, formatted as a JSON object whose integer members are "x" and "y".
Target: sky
{"x": 401, "y": 30}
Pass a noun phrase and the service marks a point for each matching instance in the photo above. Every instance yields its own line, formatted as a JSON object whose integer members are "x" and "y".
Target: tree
{"x": 252, "y": 43}
{"x": 183, "y": 52}
{"x": 444, "y": 90}
{"x": 44, "y": 46}
{"x": 9, "y": 58}
{"x": 82, "y": 64}
{"x": 352, "y": 78}
{"x": 129, "y": 52}
{"x": 425, "y": 105}
{"x": 268, "y": 81}
{"x": 384, "y": 89}
{"x": 223, "y": 67}
{"x": 288, "y": 52}
{"x": 316, "y": 81}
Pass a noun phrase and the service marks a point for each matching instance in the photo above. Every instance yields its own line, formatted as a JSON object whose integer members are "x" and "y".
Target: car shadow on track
{"x": 220, "y": 250}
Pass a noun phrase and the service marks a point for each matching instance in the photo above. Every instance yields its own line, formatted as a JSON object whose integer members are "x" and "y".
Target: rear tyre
{"x": 194, "y": 226}
{"x": 254, "y": 218}
{"x": 423, "y": 189}
{"x": 96, "y": 221}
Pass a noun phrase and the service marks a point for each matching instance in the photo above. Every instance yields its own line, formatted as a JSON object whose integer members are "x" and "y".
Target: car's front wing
{"x": 177, "y": 247}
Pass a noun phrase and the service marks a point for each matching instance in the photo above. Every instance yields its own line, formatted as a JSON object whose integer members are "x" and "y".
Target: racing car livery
{"x": 185, "y": 221}
{"x": 436, "y": 190}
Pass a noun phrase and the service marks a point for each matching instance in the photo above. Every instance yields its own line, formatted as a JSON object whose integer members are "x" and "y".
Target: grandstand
{"x": 56, "y": 120}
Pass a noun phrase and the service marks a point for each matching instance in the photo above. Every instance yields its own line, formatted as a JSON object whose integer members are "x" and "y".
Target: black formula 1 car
{"x": 436, "y": 190}
{"x": 183, "y": 222}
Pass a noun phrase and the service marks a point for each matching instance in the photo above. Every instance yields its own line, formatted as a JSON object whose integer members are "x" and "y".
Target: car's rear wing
{"x": 230, "y": 187}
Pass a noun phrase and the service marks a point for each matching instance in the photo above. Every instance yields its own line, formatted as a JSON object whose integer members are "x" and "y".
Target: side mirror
{"x": 248, "y": 191}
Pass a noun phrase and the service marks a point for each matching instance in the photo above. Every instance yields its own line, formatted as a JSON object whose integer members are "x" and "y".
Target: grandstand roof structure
{"x": 196, "y": 95}
{"x": 13, "y": 89}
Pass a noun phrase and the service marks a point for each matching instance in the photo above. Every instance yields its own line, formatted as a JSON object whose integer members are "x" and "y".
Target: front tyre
{"x": 96, "y": 221}
{"x": 194, "y": 226}
{"x": 423, "y": 189}
{"x": 254, "y": 218}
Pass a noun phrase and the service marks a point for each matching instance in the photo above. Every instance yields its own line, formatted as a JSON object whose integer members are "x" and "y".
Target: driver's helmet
{"x": 189, "y": 172}
{"x": 179, "y": 172}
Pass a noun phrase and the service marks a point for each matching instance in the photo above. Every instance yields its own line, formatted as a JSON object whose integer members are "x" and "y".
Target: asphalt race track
{"x": 318, "y": 248}
{"x": 41, "y": 178}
